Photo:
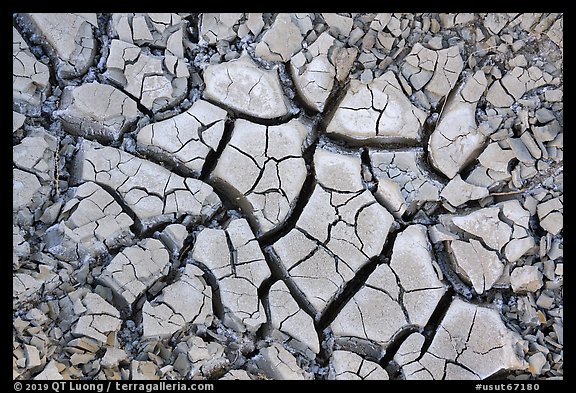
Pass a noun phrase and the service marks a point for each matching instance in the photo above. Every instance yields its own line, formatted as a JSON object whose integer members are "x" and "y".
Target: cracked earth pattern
{"x": 287, "y": 196}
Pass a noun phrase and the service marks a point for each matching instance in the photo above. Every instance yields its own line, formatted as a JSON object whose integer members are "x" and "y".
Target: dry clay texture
{"x": 287, "y": 196}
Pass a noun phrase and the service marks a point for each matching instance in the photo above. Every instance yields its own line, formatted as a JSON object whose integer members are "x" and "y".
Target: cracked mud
{"x": 287, "y": 196}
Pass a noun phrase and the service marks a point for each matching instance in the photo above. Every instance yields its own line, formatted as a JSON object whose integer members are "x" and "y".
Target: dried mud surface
{"x": 287, "y": 196}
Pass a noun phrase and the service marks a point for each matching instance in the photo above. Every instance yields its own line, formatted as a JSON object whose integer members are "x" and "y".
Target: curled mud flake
{"x": 434, "y": 71}
{"x": 277, "y": 363}
{"x": 141, "y": 74}
{"x": 456, "y": 141}
{"x": 96, "y": 111}
{"x": 457, "y": 192}
{"x": 89, "y": 223}
{"x": 68, "y": 38}
{"x": 162, "y": 30}
{"x": 135, "y": 270}
{"x": 30, "y": 85}
{"x": 282, "y": 39}
{"x": 316, "y": 69}
{"x": 244, "y": 87}
{"x": 475, "y": 264}
{"x": 33, "y": 176}
{"x": 377, "y": 112}
{"x": 185, "y": 140}
{"x": 474, "y": 340}
{"x": 486, "y": 224}
{"x": 402, "y": 184}
{"x": 526, "y": 279}
{"x": 219, "y": 27}
{"x": 187, "y": 301}
{"x": 551, "y": 216}
{"x": 514, "y": 84}
{"x": 98, "y": 318}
